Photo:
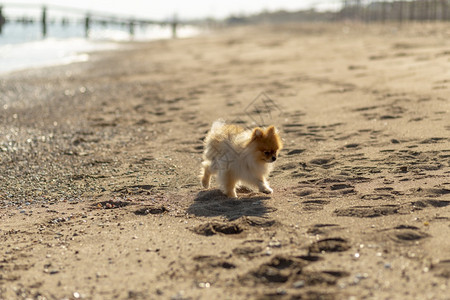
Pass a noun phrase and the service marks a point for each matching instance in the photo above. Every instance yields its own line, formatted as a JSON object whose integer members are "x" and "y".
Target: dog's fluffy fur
{"x": 239, "y": 156}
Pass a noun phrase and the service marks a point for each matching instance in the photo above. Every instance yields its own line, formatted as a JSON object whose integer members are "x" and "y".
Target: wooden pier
{"x": 87, "y": 17}
{"x": 368, "y": 11}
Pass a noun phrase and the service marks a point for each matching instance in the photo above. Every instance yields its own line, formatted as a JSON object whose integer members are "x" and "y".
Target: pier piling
{"x": 44, "y": 21}
{"x": 2, "y": 19}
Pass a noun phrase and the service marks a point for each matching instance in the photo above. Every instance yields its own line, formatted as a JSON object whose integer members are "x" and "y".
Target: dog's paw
{"x": 266, "y": 190}
{"x": 231, "y": 194}
{"x": 205, "y": 184}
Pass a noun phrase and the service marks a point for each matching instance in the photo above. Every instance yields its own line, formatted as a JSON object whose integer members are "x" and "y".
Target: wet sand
{"x": 99, "y": 190}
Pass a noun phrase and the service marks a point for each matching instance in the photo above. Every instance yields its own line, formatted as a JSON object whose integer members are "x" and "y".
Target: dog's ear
{"x": 271, "y": 130}
{"x": 257, "y": 133}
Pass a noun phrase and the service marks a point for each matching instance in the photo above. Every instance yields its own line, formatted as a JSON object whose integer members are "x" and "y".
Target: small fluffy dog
{"x": 239, "y": 156}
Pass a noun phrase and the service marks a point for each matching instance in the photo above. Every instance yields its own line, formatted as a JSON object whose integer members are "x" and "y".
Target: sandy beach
{"x": 100, "y": 196}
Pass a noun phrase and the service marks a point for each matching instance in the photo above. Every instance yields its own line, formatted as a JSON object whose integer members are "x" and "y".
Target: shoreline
{"x": 100, "y": 196}
{"x": 49, "y": 52}
{"x": 54, "y": 51}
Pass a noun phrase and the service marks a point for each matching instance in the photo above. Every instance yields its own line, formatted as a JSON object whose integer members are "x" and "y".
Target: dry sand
{"x": 99, "y": 188}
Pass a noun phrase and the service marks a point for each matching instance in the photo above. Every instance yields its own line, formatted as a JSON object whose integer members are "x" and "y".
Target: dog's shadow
{"x": 214, "y": 203}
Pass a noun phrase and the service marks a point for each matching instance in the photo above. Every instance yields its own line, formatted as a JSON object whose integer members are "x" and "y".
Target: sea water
{"x": 22, "y": 46}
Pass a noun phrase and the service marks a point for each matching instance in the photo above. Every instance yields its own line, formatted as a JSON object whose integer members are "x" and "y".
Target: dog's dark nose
{"x": 274, "y": 158}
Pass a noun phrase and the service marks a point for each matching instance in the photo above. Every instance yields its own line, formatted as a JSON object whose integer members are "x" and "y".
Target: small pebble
{"x": 281, "y": 291}
{"x": 204, "y": 285}
{"x": 362, "y": 276}
{"x": 275, "y": 244}
{"x": 268, "y": 252}
{"x": 299, "y": 284}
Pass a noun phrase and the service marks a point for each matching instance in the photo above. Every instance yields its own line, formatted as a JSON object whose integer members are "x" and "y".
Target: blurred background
{"x": 57, "y": 31}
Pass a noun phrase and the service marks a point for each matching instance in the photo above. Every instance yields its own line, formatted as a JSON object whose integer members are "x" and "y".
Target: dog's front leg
{"x": 264, "y": 187}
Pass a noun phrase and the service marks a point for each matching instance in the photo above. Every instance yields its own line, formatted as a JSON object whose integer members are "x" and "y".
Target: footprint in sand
{"x": 434, "y": 140}
{"x": 405, "y": 234}
{"x": 421, "y": 204}
{"x": 152, "y": 210}
{"x": 288, "y": 272}
{"x": 352, "y": 146}
{"x": 341, "y": 186}
{"x": 258, "y": 221}
{"x": 249, "y": 252}
{"x": 380, "y": 196}
{"x": 277, "y": 271}
{"x": 322, "y": 228}
{"x": 213, "y": 228}
{"x": 296, "y": 151}
{"x": 211, "y": 261}
{"x": 314, "y": 205}
{"x": 233, "y": 228}
{"x": 324, "y": 161}
{"x": 292, "y": 128}
{"x": 329, "y": 245}
{"x": 368, "y": 211}
{"x": 288, "y": 166}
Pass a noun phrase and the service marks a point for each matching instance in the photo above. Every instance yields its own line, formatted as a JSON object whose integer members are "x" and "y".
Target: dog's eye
{"x": 266, "y": 153}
